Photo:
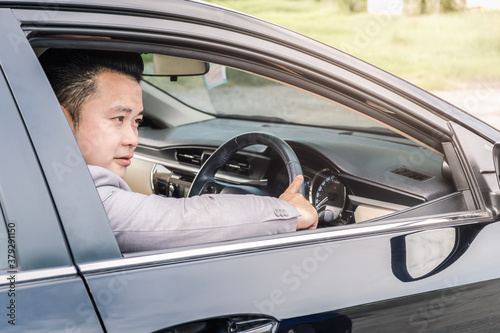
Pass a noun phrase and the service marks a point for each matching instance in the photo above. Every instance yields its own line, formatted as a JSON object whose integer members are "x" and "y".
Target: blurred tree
{"x": 354, "y": 6}
{"x": 448, "y": 6}
{"x": 440, "y": 6}
{"x": 423, "y": 6}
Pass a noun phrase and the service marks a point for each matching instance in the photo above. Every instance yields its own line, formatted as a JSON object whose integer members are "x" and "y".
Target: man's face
{"x": 107, "y": 131}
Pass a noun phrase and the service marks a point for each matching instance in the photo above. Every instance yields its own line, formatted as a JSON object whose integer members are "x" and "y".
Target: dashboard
{"x": 350, "y": 176}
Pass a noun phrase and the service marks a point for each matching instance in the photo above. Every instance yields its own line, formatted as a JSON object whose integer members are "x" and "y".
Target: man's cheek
{"x": 86, "y": 148}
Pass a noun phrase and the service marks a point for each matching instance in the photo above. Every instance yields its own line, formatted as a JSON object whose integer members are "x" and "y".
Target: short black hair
{"x": 72, "y": 73}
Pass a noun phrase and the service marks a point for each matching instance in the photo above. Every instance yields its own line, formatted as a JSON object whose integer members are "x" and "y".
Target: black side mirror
{"x": 421, "y": 254}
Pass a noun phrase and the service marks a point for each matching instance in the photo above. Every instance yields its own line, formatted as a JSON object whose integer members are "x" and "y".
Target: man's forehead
{"x": 116, "y": 95}
{"x": 111, "y": 82}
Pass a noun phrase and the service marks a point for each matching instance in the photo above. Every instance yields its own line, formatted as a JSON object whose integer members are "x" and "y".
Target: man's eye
{"x": 119, "y": 118}
{"x": 139, "y": 121}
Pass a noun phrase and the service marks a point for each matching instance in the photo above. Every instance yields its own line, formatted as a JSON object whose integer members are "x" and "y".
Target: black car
{"x": 405, "y": 185}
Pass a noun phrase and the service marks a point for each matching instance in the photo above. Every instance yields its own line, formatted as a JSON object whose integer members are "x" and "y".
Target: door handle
{"x": 266, "y": 328}
{"x": 260, "y": 325}
{"x": 232, "y": 324}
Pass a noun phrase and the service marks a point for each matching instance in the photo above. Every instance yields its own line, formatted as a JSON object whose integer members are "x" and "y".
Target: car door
{"x": 40, "y": 289}
{"x": 354, "y": 278}
{"x": 326, "y": 280}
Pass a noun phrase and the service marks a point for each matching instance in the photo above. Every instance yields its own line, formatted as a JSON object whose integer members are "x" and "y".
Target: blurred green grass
{"x": 435, "y": 52}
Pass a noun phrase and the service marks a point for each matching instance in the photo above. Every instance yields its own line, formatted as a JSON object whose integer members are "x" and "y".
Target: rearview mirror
{"x": 165, "y": 65}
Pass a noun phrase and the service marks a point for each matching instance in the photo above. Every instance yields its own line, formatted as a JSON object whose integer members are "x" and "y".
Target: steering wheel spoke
{"x": 205, "y": 182}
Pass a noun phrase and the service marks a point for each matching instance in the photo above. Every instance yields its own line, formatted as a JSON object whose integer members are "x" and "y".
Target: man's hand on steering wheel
{"x": 308, "y": 218}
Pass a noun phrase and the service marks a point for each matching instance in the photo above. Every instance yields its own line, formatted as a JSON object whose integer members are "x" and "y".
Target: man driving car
{"x": 101, "y": 98}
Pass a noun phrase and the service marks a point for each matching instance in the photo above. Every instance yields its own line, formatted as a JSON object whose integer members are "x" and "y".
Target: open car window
{"x": 356, "y": 168}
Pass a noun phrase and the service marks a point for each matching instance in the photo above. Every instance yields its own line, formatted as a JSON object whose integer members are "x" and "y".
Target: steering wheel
{"x": 205, "y": 182}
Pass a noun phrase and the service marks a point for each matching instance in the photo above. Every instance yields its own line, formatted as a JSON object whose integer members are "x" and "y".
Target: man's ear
{"x": 69, "y": 118}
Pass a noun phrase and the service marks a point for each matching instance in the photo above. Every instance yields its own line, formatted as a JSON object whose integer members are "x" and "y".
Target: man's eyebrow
{"x": 121, "y": 108}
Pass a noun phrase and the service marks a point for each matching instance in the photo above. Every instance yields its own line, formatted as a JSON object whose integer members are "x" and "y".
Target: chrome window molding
{"x": 36, "y": 275}
{"x": 172, "y": 256}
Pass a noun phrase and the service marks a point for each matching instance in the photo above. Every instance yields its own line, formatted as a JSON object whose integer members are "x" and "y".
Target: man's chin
{"x": 120, "y": 171}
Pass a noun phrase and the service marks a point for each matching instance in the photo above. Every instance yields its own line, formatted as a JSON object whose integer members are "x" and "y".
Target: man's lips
{"x": 124, "y": 160}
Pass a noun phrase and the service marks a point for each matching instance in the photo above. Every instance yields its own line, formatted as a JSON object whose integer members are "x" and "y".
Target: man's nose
{"x": 130, "y": 137}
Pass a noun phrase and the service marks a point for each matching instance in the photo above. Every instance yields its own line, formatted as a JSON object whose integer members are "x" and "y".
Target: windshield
{"x": 228, "y": 92}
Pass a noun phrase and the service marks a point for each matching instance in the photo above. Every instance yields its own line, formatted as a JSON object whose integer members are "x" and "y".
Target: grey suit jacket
{"x": 150, "y": 222}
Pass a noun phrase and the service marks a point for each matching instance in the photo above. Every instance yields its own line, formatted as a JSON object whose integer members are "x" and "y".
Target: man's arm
{"x": 141, "y": 222}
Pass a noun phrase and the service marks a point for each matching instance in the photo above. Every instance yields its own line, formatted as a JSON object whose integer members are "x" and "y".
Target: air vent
{"x": 405, "y": 172}
{"x": 190, "y": 156}
{"x": 238, "y": 167}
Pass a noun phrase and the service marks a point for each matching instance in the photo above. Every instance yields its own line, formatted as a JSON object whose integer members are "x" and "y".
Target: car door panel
{"x": 282, "y": 283}
{"x": 56, "y": 304}
{"x": 456, "y": 308}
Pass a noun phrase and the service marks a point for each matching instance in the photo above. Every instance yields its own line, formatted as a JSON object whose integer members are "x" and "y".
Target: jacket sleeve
{"x": 150, "y": 222}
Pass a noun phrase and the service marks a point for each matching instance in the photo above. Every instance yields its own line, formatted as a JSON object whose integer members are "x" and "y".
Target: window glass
{"x": 226, "y": 91}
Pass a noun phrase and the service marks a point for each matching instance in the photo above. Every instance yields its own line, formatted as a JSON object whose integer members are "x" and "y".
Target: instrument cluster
{"x": 328, "y": 194}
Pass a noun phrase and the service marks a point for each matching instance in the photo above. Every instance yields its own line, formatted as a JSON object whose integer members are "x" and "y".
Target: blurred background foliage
{"x": 411, "y": 6}
{"x": 435, "y": 44}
